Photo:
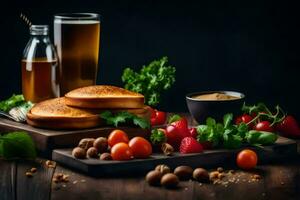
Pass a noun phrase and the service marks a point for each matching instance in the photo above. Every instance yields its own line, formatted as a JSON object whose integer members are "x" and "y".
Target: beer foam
{"x": 62, "y": 21}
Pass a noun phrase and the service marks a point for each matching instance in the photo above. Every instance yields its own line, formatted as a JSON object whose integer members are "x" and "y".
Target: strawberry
{"x": 193, "y": 132}
{"x": 173, "y": 136}
{"x": 182, "y": 127}
{"x": 190, "y": 145}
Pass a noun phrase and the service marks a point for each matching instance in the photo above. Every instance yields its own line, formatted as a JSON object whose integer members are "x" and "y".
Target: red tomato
{"x": 289, "y": 127}
{"x": 140, "y": 147}
{"x": 121, "y": 151}
{"x": 158, "y": 118}
{"x": 244, "y": 118}
{"x": 264, "y": 126}
{"x": 153, "y": 113}
{"x": 246, "y": 159}
{"x": 117, "y": 136}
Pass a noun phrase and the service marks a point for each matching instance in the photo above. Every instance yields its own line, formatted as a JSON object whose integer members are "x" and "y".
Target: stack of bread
{"x": 81, "y": 108}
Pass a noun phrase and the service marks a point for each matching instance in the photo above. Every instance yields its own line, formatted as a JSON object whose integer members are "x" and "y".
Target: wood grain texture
{"x": 7, "y": 180}
{"x": 37, "y": 187}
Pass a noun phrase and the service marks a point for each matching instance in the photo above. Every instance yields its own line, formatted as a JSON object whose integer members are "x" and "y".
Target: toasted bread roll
{"x": 104, "y": 97}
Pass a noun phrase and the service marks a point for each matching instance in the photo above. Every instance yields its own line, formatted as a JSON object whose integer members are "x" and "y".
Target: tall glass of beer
{"x": 77, "y": 38}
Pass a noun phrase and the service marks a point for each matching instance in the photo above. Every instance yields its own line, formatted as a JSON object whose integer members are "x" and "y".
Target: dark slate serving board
{"x": 282, "y": 149}
{"x": 46, "y": 140}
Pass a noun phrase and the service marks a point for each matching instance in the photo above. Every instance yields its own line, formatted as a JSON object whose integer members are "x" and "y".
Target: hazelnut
{"x": 153, "y": 177}
{"x": 101, "y": 144}
{"x": 29, "y": 174}
{"x": 169, "y": 180}
{"x": 183, "y": 172}
{"x": 105, "y": 156}
{"x": 167, "y": 149}
{"x": 220, "y": 169}
{"x": 33, "y": 170}
{"x": 50, "y": 164}
{"x": 201, "y": 175}
{"x": 79, "y": 153}
{"x": 163, "y": 169}
{"x": 86, "y": 143}
{"x": 214, "y": 175}
{"x": 92, "y": 152}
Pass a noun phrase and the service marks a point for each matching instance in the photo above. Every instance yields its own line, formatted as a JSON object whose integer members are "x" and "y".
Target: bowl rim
{"x": 237, "y": 94}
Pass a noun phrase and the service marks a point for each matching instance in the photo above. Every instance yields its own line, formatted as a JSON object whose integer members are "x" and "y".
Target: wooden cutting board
{"x": 46, "y": 140}
{"x": 283, "y": 148}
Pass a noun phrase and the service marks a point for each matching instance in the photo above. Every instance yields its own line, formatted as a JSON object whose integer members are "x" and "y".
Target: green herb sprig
{"x": 13, "y": 101}
{"x": 151, "y": 81}
{"x": 123, "y": 118}
{"x": 231, "y": 136}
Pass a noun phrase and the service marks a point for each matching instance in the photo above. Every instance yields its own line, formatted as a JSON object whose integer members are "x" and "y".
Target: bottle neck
{"x": 39, "y": 30}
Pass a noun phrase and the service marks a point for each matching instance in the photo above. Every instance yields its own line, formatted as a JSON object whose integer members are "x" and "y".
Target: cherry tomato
{"x": 159, "y": 118}
{"x": 117, "y": 136}
{"x": 153, "y": 113}
{"x": 244, "y": 118}
{"x": 289, "y": 127}
{"x": 264, "y": 126}
{"x": 121, "y": 151}
{"x": 246, "y": 159}
{"x": 140, "y": 147}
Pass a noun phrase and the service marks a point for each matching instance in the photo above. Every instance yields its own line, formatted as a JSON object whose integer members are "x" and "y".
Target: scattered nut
{"x": 58, "y": 176}
{"x": 183, "y": 172}
{"x": 169, "y": 180}
{"x": 92, "y": 152}
{"x": 79, "y": 153}
{"x": 256, "y": 176}
{"x": 86, "y": 143}
{"x": 167, "y": 149}
{"x": 220, "y": 169}
{"x": 65, "y": 178}
{"x": 101, "y": 144}
{"x": 153, "y": 177}
{"x": 213, "y": 175}
{"x": 231, "y": 171}
{"x": 221, "y": 175}
{"x": 50, "y": 164}
{"x": 33, "y": 170}
{"x": 163, "y": 169}
{"x": 201, "y": 175}
{"x": 105, "y": 156}
{"x": 29, "y": 174}
{"x": 55, "y": 180}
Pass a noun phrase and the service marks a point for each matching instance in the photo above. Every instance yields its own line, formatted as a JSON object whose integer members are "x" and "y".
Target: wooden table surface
{"x": 280, "y": 180}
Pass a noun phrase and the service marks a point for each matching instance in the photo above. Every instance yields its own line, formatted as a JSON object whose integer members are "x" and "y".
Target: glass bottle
{"x": 39, "y": 66}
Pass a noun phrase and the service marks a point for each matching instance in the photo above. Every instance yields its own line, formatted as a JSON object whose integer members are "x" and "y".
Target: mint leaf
{"x": 227, "y": 120}
{"x": 141, "y": 122}
{"x": 173, "y": 118}
{"x": 124, "y": 117}
{"x": 17, "y": 145}
{"x": 232, "y": 141}
{"x": 210, "y": 122}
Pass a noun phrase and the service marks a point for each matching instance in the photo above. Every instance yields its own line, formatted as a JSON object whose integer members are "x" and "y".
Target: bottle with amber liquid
{"x": 39, "y": 66}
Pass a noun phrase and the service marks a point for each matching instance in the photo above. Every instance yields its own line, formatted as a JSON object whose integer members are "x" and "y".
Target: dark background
{"x": 248, "y": 46}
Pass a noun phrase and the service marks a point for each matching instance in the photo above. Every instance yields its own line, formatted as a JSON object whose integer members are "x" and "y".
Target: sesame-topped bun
{"x": 104, "y": 97}
{"x": 55, "y": 114}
